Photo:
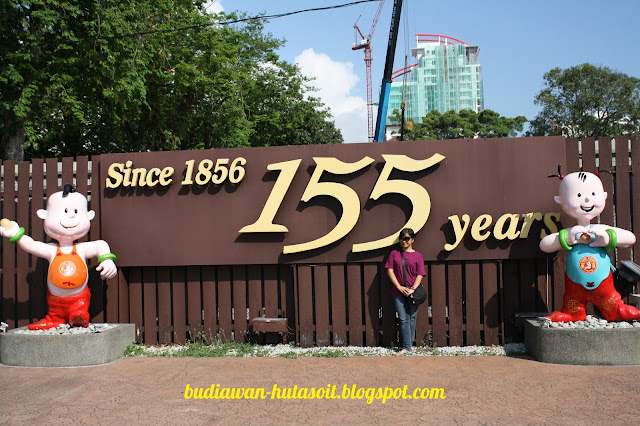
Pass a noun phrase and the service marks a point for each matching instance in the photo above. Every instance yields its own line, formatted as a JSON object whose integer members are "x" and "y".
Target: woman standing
{"x": 404, "y": 286}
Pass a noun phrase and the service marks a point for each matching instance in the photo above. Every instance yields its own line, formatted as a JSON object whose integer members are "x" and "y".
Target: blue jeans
{"x": 407, "y": 312}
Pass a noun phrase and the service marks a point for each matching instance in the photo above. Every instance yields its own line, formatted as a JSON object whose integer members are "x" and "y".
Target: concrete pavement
{"x": 479, "y": 390}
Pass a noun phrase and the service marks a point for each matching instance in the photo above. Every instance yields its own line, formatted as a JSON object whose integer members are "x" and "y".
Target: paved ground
{"x": 479, "y": 390}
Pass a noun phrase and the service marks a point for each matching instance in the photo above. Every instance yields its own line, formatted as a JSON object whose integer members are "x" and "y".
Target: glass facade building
{"x": 447, "y": 76}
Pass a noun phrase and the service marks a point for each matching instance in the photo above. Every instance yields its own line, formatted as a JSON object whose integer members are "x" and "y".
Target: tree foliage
{"x": 96, "y": 76}
{"x": 466, "y": 124}
{"x": 586, "y": 100}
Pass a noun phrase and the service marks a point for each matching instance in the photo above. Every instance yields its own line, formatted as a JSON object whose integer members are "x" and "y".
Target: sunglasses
{"x": 405, "y": 239}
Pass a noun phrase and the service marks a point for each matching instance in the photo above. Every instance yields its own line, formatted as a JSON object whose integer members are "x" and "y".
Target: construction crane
{"x": 362, "y": 42}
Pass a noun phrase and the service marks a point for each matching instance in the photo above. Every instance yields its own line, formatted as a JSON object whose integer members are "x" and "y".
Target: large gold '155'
{"x": 347, "y": 197}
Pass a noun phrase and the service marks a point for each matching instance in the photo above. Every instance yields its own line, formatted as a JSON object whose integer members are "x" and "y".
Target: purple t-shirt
{"x": 414, "y": 264}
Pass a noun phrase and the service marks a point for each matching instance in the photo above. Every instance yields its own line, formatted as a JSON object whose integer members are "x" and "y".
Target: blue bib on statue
{"x": 588, "y": 266}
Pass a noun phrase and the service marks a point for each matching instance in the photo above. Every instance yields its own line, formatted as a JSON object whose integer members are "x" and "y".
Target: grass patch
{"x": 135, "y": 349}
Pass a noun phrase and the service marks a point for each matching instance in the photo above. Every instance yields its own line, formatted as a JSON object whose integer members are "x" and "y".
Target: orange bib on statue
{"x": 68, "y": 270}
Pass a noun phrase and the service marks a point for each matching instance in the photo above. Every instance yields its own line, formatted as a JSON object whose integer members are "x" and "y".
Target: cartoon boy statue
{"x": 588, "y": 277}
{"x": 66, "y": 219}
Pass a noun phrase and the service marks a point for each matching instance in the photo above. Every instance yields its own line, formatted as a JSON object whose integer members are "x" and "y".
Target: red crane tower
{"x": 362, "y": 42}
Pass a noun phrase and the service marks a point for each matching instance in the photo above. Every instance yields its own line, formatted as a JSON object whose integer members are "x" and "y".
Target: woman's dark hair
{"x": 406, "y": 231}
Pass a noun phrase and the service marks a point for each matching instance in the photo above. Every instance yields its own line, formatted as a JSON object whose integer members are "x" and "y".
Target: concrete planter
{"x": 580, "y": 346}
{"x": 72, "y": 350}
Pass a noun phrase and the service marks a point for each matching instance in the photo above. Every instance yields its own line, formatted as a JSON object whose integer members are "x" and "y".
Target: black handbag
{"x": 419, "y": 295}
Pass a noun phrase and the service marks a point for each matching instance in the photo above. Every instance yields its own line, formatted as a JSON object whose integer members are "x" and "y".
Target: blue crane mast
{"x": 383, "y": 104}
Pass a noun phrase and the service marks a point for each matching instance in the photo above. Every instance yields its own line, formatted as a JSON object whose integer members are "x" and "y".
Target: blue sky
{"x": 519, "y": 41}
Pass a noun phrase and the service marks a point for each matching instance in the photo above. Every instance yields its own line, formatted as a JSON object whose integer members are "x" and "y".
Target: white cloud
{"x": 335, "y": 81}
{"x": 214, "y": 6}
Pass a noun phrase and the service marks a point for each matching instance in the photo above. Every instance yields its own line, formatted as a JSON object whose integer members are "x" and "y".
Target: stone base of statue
{"x": 66, "y": 347}
{"x": 582, "y": 346}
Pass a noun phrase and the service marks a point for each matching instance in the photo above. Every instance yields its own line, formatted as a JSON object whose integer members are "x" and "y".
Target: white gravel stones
{"x": 67, "y": 329}
{"x": 590, "y": 322}
{"x": 283, "y": 350}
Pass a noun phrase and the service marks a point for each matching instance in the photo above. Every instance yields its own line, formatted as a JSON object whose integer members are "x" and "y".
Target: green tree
{"x": 96, "y": 76}
{"x": 466, "y": 124}
{"x": 586, "y": 100}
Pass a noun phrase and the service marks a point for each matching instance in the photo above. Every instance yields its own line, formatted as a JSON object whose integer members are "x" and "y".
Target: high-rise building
{"x": 447, "y": 76}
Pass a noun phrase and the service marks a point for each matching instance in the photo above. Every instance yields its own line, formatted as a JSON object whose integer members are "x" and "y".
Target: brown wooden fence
{"x": 469, "y": 302}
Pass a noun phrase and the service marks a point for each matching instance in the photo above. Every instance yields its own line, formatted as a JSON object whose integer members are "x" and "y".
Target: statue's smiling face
{"x": 66, "y": 218}
{"x": 582, "y": 196}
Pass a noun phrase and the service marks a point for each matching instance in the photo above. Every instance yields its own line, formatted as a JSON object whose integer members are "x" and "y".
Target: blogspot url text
{"x": 329, "y": 392}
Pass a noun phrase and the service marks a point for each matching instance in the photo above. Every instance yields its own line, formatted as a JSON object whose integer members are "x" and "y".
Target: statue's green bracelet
{"x": 613, "y": 240}
{"x": 562, "y": 238}
{"x": 16, "y": 237}
{"x": 106, "y": 256}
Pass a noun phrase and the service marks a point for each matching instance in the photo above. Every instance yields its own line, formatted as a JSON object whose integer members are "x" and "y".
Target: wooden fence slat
{"x": 194, "y": 302}
{"x": 111, "y": 300}
{"x": 423, "y": 328}
{"x": 271, "y": 298}
{"x": 491, "y": 300}
{"x": 210, "y": 322}
{"x": 254, "y": 277}
{"x": 39, "y": 266}
{"x": 224, "y": 304}
{"x": 573, "y": 156}
{"x": 97, "y": 304}
{"x": 288, "y": 297}
{"x": 123, "y": 297}
{"x": 338, "y": 305}
{"x": 149, "y": 300}
{"x": 605, "y": 158}
{"x": 165, "y": 329}
{"x": 528, "y": 292}
{"x": 389, "y": 334}
{"x": 355, "y": 298}
{"x": 52, "y": 176}
{"x": 321, "y": 302}
{"x": 305, "y": 303}
{"x": 542, "y": 267}
{"x": 179, "y": 302}
{"x": 9, "y": 250}
{"x": 22, "y": 261}
{"x": 271, "y": 291}
{"x": 136, "y": 302}
{"x": 623, "y": 193}
{"x": 473, "y": 271}
{"x": 454, "y": 283}
{"x": 438, "y": 286}
{"x": 372, "y": 303}
{"x": 240, "y": 323}
{"x": 510, "y": 283}
{"x": 67, "y": 171}
{"x": 589, "y": 154}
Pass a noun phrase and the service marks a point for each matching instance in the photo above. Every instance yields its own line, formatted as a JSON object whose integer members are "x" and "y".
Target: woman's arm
{"x": 402, "y": 289}
{"x": 417, "y": 282}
